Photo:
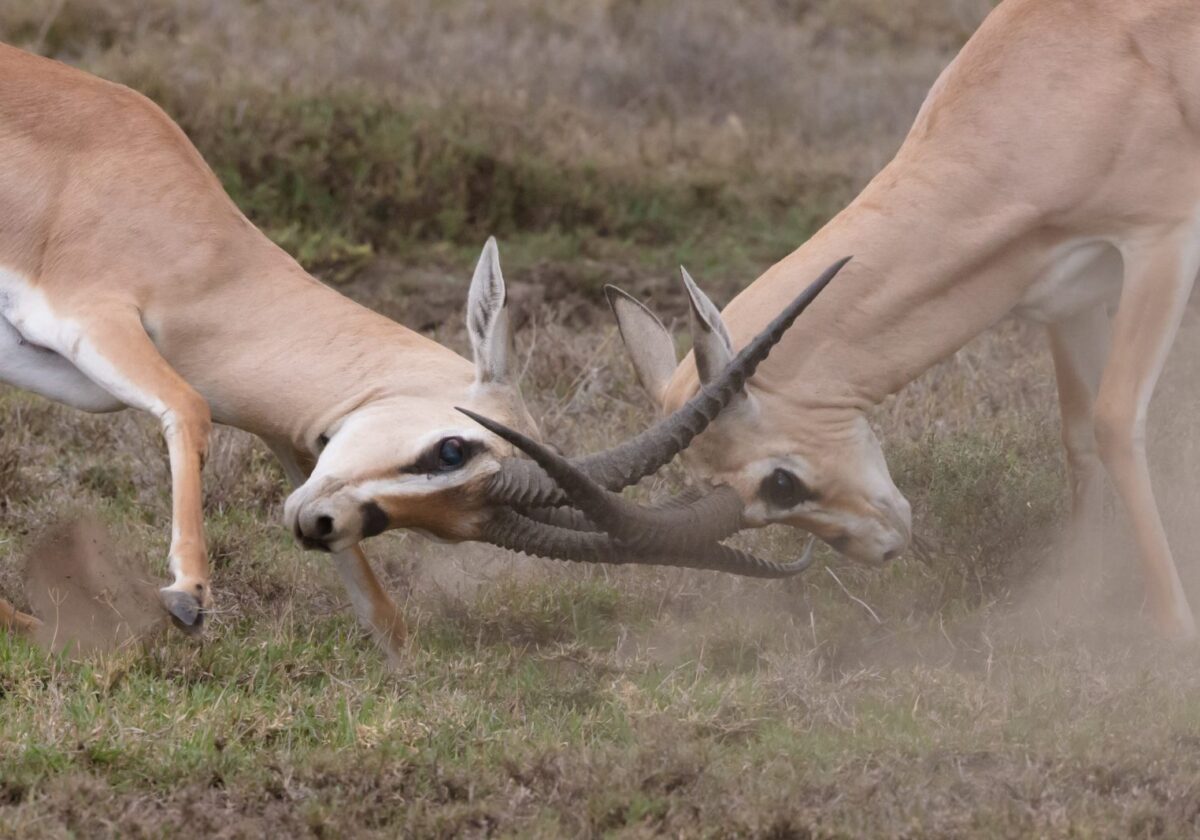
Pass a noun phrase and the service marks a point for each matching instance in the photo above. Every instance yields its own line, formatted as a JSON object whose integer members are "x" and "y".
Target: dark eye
{"x": 782, "y": 489}
{"x": 452, "y": 453}
{"x": 322, "y": 442}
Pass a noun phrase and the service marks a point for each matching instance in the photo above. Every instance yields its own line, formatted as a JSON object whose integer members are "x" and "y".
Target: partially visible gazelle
{"x": 128, "y": 278}
{"x": 1053, "y": 172}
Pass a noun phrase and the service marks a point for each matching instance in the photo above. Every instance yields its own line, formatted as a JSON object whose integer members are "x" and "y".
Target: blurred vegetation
{"x": 362, "y": 127}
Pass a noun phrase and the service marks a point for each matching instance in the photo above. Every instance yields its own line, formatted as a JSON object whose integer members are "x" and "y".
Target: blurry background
{"x": 601, "y": 128}
{"x": 602, "y": 141}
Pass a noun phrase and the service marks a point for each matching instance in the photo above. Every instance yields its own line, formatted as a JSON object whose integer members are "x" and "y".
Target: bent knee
{"x": 1120, "y": 431}
{"x": 191, "y": 418}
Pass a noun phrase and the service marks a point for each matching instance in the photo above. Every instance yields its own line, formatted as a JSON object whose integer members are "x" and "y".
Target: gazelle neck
{"x": 930, "y": 271}
{"x": 284, "y": 356}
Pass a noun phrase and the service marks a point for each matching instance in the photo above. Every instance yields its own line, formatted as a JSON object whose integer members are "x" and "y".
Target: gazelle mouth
{"x": 571, "y": 508}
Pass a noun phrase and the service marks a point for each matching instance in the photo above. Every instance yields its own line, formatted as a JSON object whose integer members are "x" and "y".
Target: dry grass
{"x": 977, "y": 687}
{"x": 704, "y": 129}
{"x": 961, "y": 691}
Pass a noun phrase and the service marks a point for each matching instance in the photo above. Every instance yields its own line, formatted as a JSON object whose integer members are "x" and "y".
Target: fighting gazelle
{"x": 128, "y": 278}
{"x": 1052, "y": 172}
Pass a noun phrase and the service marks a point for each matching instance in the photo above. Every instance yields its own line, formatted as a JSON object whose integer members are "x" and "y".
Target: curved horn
{"x": 561, "y": 517}
{"x": 509, "y": 529}
{"x": 685, "y": 527}
{"x": 520, "y": 484}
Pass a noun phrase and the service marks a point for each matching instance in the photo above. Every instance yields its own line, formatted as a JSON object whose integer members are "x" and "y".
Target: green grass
{"x": 478, "y": 730}
{"x": 552, "y": 700}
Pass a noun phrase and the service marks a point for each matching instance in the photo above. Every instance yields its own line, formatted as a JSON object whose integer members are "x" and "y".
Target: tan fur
{"x": 1061, "y": 123}
{"x": 178, "y": 305}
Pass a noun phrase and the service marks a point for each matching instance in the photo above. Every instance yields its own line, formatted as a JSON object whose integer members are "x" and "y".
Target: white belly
{"x": 38, "y": 369}
{"x": 1084, "y": 276}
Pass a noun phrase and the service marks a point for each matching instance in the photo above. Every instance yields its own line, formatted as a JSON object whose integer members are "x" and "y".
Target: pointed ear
{"x": 649, "y": 344}
{"x": 487, "y": 318}
{"x": 710, "y": 339}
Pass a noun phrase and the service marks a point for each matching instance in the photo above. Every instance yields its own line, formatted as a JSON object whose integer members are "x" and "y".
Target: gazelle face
{"x": 410, "y": 460}
{"x": 820, "y": 471}
{"x": 830, "y": 481}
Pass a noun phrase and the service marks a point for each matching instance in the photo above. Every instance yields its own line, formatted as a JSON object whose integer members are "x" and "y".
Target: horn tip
{"x": 487, "y": 422}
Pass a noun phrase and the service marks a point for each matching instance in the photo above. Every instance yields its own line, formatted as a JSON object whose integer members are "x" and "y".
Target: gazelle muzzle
{"x": 676, "y": 533}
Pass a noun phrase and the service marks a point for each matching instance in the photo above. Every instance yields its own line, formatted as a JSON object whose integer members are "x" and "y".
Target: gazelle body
{"x": 128, "y": 278}
{"x": 1054, "y": 173}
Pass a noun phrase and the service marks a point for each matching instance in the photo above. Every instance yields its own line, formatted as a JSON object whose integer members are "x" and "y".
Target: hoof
{"x": 186, "y": 612}
{"x": 1175, "y": 627}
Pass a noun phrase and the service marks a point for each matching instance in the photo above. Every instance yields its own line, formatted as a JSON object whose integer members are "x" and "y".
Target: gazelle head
{"x": 404, "y": 457}
{"x": 791, "y": 463}
{"x": 431, "y": 457}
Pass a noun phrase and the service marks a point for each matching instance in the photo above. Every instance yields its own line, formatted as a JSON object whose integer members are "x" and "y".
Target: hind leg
{"x": 12, "y": 619}
{"x": 44, "y": 372}
{"x": 1079, "y": 346}
{"x": 1158, "y": 279}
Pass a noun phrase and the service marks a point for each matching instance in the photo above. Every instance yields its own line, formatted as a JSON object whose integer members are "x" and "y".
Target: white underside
{"x": 29, "y": 357}
{"x": 1085, "y": 275}
{"x": 45, "y": 372}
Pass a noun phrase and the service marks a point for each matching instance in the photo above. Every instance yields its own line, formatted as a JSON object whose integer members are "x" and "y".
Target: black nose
{"x": 889, "y": 556}
{"x": 375, "y": 521}
{"x": 313, "y": 532}
{"x": 322, "y": 527}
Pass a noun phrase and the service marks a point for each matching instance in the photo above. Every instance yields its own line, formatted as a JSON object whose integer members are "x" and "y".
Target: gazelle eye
{"x": 782, "y": 489}
{"x": 322, "y": 442}
{"x": 452, "y": 454}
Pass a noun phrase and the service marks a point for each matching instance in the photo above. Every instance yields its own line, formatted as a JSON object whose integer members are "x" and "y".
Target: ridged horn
{"x": 678, "y": 527}
{"x": 520, "y": 484}
{"x": 509, "y": 529}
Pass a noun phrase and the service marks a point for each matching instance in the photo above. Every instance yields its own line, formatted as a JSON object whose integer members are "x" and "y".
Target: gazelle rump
{"x": 1053, "y": 173}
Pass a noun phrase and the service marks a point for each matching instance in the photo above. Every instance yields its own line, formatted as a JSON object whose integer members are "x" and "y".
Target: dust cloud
{"x": 89, "y": 596}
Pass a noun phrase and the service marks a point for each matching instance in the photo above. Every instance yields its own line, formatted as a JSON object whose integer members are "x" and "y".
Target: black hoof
{"x": 186, "y": 612}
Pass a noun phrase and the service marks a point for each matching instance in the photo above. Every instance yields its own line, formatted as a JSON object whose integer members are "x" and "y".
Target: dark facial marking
{"x": 782, "y": 489}
{"x": 447, "y": 455}
{"x": 374, "y": 520}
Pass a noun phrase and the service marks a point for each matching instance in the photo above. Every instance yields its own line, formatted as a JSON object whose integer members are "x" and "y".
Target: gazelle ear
{"x": 487, "y": 318}
{"x": 710, "y": 340}
{"x": 649, "y": 344}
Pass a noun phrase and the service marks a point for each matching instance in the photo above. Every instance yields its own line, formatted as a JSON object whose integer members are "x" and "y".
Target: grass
{"x": 958, "y": 691}
{"x": 978, "y": 687}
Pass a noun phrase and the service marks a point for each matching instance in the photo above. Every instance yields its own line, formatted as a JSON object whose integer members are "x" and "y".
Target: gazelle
{"x": 1053, "y": 172}
{"x": 128, "y": 278}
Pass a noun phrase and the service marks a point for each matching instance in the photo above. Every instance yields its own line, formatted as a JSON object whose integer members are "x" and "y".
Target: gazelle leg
{"x": 375, "y": 609}
{"x": 1158, "y": 279}
{"x": 1079, "y": 346}
{"x": 13, "y": 619}
{"x": 116, "y": 353}
{"x": 374, "y": 606}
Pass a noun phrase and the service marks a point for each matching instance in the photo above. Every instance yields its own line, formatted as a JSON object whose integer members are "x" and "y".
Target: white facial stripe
{"x": 408, "y": 484}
